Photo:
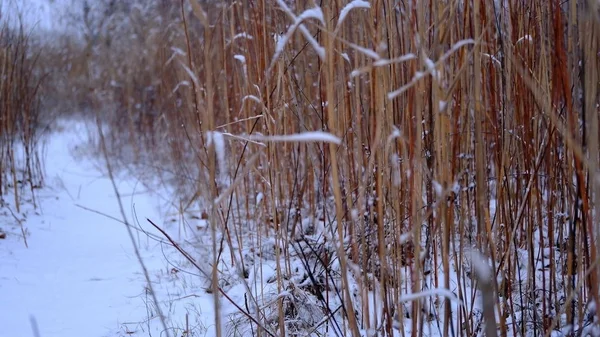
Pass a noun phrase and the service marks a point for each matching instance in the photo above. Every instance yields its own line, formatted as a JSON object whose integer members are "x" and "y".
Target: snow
{"x": 345, "y": 56}
{"x": 240, "y": 58}
{"x": 311, "y": 136}
{"x": 368, "y": 52}
{"x": 439, "y": 190}
{"x": 80, "y": 275}
{"x": 312, "y": 13}
{"x": 190, "y": 73}
{"x": 396, "y": 133}
{"x": 403, "y": 58}
{"x": 493, "y": 58}
{"x": 525, "y": 38}
{"x": 176, "y": 52}
{"x": 417, "y": 77}
{"x": 428, "y": 293}
{"x": 244, "y": 36}
{"x": 281, "y": 41}
{"x": 182, "y": 83}
{"x": 216, "y": 138}
{"x": 253, "y": 98}
{"x": 458, "y": 45}
{"x": 430, "y": 68}
{"x": 350, "y": 6}
{"x": 480, "y": 266}
{"x": 243, "y": 139}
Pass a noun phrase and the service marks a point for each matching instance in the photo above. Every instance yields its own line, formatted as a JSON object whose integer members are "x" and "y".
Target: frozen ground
{"x": 79, "y": 275}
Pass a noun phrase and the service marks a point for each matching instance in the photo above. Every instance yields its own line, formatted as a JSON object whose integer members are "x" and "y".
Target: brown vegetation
{"x": 20, "y": 81}
{"x": 464, "y": 125}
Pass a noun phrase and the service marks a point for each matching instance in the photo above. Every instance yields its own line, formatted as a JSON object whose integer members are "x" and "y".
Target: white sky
{"x": 37, "y": 14}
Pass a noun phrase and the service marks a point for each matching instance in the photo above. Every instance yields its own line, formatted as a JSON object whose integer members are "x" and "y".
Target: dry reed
{"x": 464, "y": 125}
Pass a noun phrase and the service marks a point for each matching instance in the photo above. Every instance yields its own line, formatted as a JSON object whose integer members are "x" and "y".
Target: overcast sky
{"x": 37, "y": 14}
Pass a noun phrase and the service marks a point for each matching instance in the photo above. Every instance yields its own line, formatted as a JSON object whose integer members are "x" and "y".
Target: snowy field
{"x": 79, "y": 275}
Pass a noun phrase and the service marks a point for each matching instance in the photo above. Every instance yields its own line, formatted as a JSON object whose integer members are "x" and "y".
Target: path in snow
{"x": 79, "y": 276}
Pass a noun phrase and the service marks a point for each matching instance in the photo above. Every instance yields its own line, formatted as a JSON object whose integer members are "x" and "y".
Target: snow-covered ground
{"x": 79, "y": 275}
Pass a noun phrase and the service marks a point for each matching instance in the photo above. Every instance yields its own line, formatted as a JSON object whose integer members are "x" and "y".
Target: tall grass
{"x": 464, "y": 125}
{"x": 20, "y": 83}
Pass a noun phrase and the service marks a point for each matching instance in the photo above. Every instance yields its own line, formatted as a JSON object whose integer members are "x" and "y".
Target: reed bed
{"x": 463, "y": 126}
{"x": 20, "y": 83}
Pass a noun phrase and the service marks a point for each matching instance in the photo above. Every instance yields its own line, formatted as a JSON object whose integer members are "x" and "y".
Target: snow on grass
{"x": 366, "y": 51}
{"x": 379, "y": 62}
{"x": 526, "y": 38}
{"x": 311, "y": 13}
{"x": 350, "y": 6}
{"x": 252, "y": 98}
{"x": 311, "y": 136}
{"x": 493, "y": 58}
{"x": 240, "y": 58}
{"x": 216, "y": 138}
{"x": 400, "y": 59}
{"x": 431, "y": 68}
{"x": 243, "y": 35}
{"x": 428, "y": 293}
